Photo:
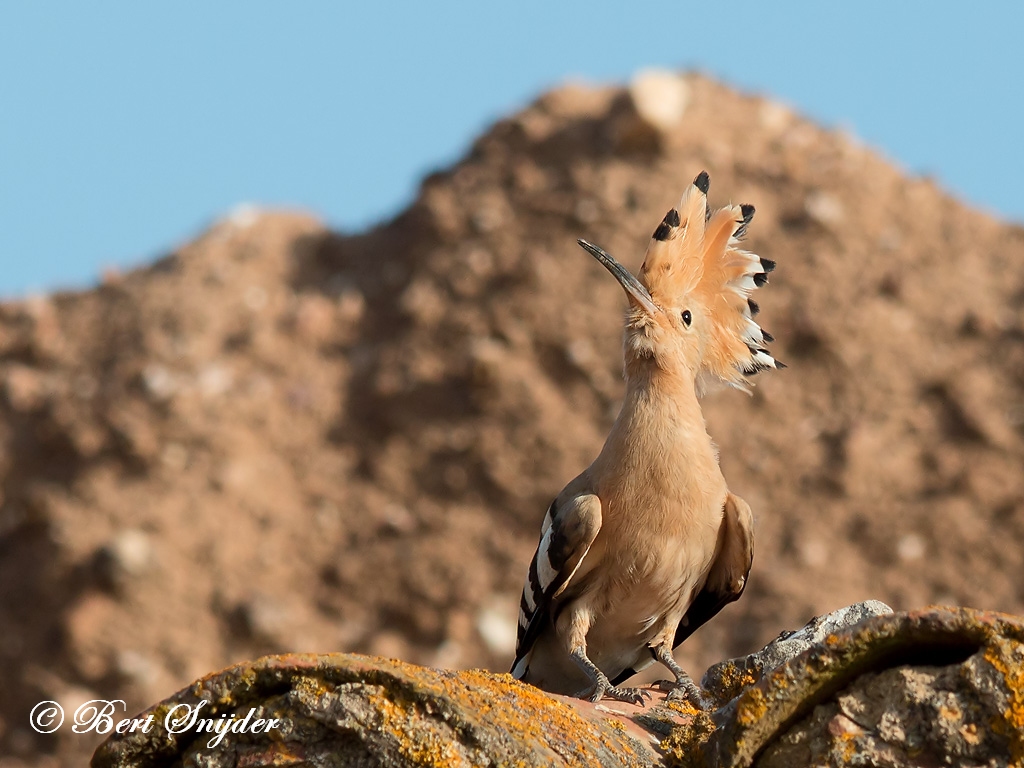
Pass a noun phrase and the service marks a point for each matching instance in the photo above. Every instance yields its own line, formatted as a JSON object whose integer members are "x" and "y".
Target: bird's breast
{"x": 645, "y": 590}
{"x": 662, "y": 497}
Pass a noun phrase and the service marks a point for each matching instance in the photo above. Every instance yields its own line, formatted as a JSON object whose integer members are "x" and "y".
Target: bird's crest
{"x": 695, "y": 254}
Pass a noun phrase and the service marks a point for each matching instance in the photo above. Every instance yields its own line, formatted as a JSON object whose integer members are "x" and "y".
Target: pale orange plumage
{"x": 647, "y": 543}
{"x": 694, "y": 258}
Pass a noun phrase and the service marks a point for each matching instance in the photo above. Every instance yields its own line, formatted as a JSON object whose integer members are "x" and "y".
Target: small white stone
{"x": 775, "y": 117}
{"x": 587, "y": 211}
{"x": 910, "y": 547}
{"x": 824, "y": 208}
{"x": 215, "y": 379}
{"x": 660, "y": 97}
{"x": 158, "y": 381}
{"x": 580, "y": 352}
{"x": 131, "y": 552}
{"x": 244, "y": 215}
{"x": 84, "y": 387}
{"x": 141, "y": 669}
{"x": 265, "y": 617}
{"x": 496, "y": 624}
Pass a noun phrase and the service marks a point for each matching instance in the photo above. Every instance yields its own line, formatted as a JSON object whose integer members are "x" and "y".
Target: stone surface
{"x": 942, "y": 686}
{"x": 725, "y": 680}
{"x": 888, "y": 691}
{"x": 346, "y": 709}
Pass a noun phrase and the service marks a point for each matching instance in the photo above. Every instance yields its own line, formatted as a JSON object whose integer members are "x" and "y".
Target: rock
{"x": 214, "y": 380}
{"x": 932, "y": 687}
{"x": 660, "y": 98}
{"x": 345, "y": 709}
{"x": 159, "y": 383}
{"x": 651, "y": 108}
{"x": 263, "y": 617}
{"x": 824, "y": 208}
{"x": 908, "y": 716}
{"x": 127, "y": 556}
{"x": 255, "y": 298}
{"x": 138, "y": 668}
{"x": 496, "y": 623}
{"x": 944, "y": 686}
{"x": 726, "y": 679}
{"x": 244, "y": 216}
{"x": 911, "y": 547}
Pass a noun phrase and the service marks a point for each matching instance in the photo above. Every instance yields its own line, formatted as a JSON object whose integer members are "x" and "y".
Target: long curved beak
{"x": 634, "y": 289}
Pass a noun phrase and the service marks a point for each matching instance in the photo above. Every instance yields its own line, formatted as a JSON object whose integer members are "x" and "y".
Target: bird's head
{"x": 690, "y": 311}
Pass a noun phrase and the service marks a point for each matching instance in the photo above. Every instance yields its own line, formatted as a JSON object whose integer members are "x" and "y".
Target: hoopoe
{"x": 647, "y": 543}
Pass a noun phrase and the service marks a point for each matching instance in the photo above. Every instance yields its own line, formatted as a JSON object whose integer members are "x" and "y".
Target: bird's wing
{"x": 570, "y": 527}
{"x": 728, "y": 575}
{"x": 727, "y": 578}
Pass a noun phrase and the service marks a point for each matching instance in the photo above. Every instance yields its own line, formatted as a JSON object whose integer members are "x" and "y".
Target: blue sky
{"x": 125, "y": 128}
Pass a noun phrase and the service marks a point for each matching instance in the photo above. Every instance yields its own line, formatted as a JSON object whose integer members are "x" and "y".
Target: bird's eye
{"x": 687, "y": 317}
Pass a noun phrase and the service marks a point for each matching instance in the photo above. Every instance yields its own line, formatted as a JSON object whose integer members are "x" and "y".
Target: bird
{"x": 647, "y": 543}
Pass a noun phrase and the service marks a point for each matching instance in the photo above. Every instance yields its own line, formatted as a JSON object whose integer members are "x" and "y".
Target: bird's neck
{"x": 659, "y": 442}
{"x": 660, "y": 416}
{"x": 664, "y": 397}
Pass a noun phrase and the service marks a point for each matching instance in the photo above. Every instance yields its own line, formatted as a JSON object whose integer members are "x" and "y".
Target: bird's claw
{"x": 682, "y": 690}
{"x": 628, "y": 695}
{"x": 591, "y": 693}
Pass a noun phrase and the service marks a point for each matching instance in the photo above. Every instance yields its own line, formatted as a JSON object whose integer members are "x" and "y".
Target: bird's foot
{"x": 602, "y": 686}
{"x": 591, "y": 692}
{"x": 683, "y": 689}
{"x": 599, "y": 690}
{"x": 629, "y": 695}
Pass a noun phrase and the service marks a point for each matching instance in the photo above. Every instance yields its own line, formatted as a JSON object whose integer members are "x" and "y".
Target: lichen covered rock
{"x": 935, "y": 687}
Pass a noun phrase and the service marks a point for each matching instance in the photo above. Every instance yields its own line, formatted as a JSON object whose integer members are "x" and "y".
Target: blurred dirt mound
{"x": 280, "y": 438}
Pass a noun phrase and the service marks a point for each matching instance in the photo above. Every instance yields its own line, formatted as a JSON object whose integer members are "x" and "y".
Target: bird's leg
{"x": 683, "y": 686}
{"x": 601, "y": 685}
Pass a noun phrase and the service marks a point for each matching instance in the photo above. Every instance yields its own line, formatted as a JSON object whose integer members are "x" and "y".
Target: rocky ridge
{"x": 282, "y": 438}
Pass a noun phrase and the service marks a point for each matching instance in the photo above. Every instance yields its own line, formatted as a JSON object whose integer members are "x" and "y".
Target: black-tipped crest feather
{"x": 747, "y": 212}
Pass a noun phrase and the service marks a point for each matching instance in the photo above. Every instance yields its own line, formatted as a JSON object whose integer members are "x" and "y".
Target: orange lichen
{"x": 732, "y": 679}
{"x": 684, "y": 745}
{"x": 751, "y": 707}
{"x": 969, "y": 731}
{"x": 415, "y": 740}
{"x": 950, "y": 714}
{"x": 511, "y": 706}
{"x": 682, "y": 707}
{"x": 1007, "y": 658}
{"x": 845, "y": 744}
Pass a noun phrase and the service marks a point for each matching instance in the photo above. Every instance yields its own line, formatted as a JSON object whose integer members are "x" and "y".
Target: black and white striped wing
{"x": 569, "y": 528}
